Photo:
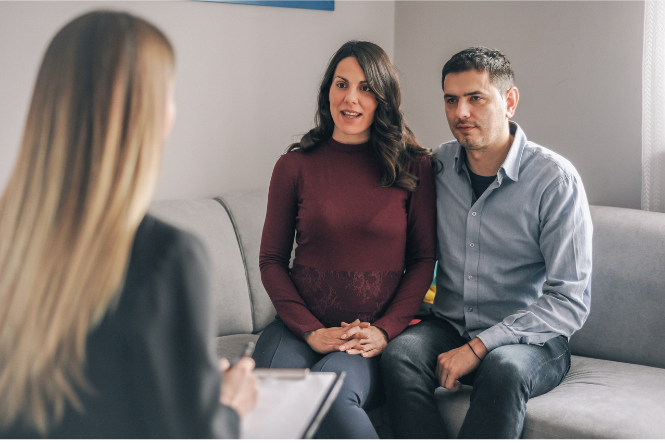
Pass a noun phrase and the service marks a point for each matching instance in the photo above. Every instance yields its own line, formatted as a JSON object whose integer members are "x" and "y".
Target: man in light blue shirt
{"x": 513, "y": 279}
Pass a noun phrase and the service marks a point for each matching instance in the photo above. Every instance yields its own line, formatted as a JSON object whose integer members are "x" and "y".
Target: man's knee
{"x": 395, "y": 348}
{"x": 405, "y": 352}
{"x": 398, "y": 348}
{"x": 507, "y": 368}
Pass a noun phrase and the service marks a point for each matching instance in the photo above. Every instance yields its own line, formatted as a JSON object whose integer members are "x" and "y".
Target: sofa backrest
{"x": 627, "y": 316}
{"x": 627, "y": 319}
{"x": 209, "y": 221}
{"x": 247, "y": 210}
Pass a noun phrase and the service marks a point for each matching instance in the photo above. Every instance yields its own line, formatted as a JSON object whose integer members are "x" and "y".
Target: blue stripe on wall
{"x": 324, "y": 5}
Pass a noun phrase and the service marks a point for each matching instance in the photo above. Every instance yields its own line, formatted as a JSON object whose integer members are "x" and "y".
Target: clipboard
{"x": 291, "y": 404}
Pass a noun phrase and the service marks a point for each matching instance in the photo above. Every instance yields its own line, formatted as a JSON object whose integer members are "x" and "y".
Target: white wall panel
{"x": 578, "y": 67}
{"x": 247, "y": 79}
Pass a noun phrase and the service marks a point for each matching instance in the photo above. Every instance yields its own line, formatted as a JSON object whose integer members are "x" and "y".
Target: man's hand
{"x": 239, "y": 389}
{"x": 326, "y": 340}
{"x": 365, "y": 340}
{"x": 456, "y": 363}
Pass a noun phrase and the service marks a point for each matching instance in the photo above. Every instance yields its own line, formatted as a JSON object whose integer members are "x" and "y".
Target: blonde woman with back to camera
{"x": 104, "y": 321}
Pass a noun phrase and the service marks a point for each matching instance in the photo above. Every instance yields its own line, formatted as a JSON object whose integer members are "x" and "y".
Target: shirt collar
{"x": 511, "y": 165}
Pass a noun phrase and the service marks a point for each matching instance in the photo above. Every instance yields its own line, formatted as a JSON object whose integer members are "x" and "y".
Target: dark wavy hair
{"x": 390, "y": 137}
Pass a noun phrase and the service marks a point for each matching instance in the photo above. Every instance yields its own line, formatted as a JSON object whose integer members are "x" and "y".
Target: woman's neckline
{"x": 344, "y": 147}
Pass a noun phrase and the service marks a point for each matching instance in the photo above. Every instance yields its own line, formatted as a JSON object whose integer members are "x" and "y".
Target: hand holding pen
{"x": 247, "y": 352}
{"x": 239, "y": 388}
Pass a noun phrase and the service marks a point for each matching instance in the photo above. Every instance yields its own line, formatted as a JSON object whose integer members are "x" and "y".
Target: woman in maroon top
{"x": 358, "y": 192}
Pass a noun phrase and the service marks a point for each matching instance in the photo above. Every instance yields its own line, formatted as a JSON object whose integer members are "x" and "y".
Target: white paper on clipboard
{"x": 291, "y": 407}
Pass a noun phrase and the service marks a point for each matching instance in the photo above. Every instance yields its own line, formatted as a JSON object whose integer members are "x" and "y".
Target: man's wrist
{"x": 478, "y": 348}
{"x": 497, "y": 336}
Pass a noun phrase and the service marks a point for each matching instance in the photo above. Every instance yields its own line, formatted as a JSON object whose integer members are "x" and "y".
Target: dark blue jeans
{"x": 507, "y": 377}
{"x": 278, "y": 347}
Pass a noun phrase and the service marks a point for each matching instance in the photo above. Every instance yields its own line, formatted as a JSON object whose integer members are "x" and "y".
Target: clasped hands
{"x": 353, "y": 338}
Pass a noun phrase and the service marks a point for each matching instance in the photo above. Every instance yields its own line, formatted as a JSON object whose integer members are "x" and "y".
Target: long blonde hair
{"x": 85, "y": 175}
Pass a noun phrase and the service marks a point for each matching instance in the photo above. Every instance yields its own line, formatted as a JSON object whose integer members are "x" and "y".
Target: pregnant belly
{"x": 337, "y": 296}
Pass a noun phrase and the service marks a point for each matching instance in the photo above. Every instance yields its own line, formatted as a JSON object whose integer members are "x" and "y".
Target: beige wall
{"x": 247, "y": 80}
{"x": 578, "y": 67}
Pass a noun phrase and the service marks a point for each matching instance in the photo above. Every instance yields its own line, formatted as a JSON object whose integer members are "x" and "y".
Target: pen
{"x": 247, "y": 352}
{"x": 282, "y": 373}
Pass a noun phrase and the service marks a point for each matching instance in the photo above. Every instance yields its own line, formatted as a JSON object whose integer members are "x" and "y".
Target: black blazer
{"x": 151, "y": 361}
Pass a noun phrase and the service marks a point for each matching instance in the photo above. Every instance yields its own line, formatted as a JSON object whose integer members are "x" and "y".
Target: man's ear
{"x": 512, "y": 97}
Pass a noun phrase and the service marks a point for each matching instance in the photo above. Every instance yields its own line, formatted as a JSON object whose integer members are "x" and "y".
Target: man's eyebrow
{"x": 466, "y": 94}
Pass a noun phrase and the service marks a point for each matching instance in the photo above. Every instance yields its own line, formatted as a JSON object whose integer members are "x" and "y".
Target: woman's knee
{"x": 267, "y": 344}
{"x": 341, "y": 361}
{"x": 363, "y": 376}
{"x": 278, "y": 347}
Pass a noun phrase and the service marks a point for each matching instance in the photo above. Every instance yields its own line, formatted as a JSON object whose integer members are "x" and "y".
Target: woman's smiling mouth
{"x": 350, "y": 114}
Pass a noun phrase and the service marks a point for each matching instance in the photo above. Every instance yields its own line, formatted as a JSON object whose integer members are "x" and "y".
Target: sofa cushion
{"x": 597, "y": 399}
{"x": 208, "y": 220}
{"x": 247, "y": 210}
{"x": 232, "y": 346}
{"x": 627, "y": 290}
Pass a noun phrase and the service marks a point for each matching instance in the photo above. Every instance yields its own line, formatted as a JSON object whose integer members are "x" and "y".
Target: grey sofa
{"x": 616, "y": 384}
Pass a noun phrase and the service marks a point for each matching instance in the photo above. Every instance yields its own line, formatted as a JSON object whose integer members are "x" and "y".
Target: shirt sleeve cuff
{"x": 228, "y": 424}
{"x": 301, "y": 329}
{"x": 387, "y": 327}
{"x": 496, "y": 336}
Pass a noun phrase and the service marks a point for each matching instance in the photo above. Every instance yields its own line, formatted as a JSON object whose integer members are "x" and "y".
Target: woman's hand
{"x": 326, "y": 340}
{"x": 239, "y": 390}
{"x": 366, "y": 340}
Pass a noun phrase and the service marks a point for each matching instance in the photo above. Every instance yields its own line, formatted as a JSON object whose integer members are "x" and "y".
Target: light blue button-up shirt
{"x": 515, "y": 264}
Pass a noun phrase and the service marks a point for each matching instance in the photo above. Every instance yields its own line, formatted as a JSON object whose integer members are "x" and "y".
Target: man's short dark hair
{"x": 482, "y": 60}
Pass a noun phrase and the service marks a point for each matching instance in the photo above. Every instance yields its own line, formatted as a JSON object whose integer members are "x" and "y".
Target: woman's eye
{"x": 366, "y": 88}
{"x": 340, "y": 85}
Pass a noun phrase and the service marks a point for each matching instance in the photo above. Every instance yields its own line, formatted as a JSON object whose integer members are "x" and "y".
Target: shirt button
{"x": 470, "y": 277}
{"x": 472, "y": 245}
{"x": 473, "y": 213}
{"x": 470, "y": 309}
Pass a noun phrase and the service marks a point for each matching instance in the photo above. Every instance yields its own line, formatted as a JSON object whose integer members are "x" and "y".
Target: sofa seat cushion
{"x": 597, "y": 399}
{"x": 231, "y": 346}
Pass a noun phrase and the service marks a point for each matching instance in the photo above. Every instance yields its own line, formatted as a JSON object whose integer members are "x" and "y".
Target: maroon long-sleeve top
{"x": 363, "y": 251}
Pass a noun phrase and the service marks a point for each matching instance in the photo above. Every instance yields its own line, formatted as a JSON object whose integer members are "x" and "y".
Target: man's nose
{"x": 463, "y": 109}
